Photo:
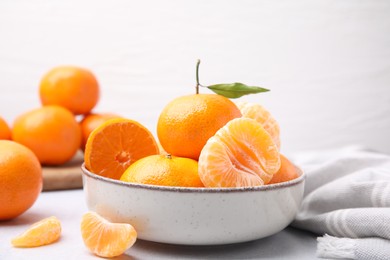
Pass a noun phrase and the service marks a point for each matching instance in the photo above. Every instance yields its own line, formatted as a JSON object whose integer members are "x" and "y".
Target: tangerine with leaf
{"x": 187, "y": 122}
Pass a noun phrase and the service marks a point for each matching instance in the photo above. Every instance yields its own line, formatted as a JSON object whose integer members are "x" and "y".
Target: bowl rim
{"x": 267, "y": 187}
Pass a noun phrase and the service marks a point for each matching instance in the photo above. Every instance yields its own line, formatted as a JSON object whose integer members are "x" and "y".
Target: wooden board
{"x": 64, "y": 177}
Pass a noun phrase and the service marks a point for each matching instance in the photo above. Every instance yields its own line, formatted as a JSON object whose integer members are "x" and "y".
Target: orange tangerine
{"x": 187, "y": 122}
{"x": 51, "y": 132}
{"x": 165, "y": 170}
{"x": 104, "y": 238}
{"x": 5, "y": 131}
{"x": 286, "y": 172}
{"x": 20, "y": 179}
{"x": 240, "y": 154}
{"x": 42, "y": 233}
{"x": 113, "y": 146}
{"x": 72, "y": 87}
{"x": 262, "y": 116}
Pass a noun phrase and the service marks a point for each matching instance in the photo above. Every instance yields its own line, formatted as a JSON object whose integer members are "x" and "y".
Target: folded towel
{"x": 347, "y": 195}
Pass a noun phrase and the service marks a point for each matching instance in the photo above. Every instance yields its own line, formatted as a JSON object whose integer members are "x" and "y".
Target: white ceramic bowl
{"x": 195, "y": 216}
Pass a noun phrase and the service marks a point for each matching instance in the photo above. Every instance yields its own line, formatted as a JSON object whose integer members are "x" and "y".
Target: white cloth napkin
{"x": 347, "y": 200}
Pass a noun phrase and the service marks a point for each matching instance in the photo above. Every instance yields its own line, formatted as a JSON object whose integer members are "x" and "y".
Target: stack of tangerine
{"x": 47, "y": 135}
{"x": 205, "y": 140}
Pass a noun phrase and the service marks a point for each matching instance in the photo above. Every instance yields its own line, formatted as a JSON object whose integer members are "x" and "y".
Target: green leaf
{"x": 235, "y": 90}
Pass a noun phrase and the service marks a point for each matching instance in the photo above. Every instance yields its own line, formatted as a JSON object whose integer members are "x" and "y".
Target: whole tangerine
{"x": 20, "y": 179}
{"x": 5, "y": 131}
{"x": 287, "y": 171}
{"x": 187, "y": 122}
{"x": 164, "y": 170}
{"x": 72, "y": 87}
{"x": 51, "y": 132}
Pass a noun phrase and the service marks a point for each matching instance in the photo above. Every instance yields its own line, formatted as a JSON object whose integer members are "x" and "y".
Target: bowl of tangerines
{"x": 213, "y": 175}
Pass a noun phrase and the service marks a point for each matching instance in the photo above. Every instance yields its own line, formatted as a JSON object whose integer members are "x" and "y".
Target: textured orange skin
{"x": 5, "y": 131}
{"x": 72, "y": 87}
{"x": 92, "y": 121}
{"x": 187, "y": 122}
{"x": 20, "y": 179}
{"x": 164, "y": 170}
{"x": 113, "y": 146}
{"x": 51, "y": 132}
{"x": 286, "y": 172}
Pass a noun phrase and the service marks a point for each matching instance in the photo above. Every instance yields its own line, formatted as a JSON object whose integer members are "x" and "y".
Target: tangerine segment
{"x": 286, "y": 172}
{"x": 104, "y": 238}
{"x": 240, "y": 154}
{"x": 42, "y": 233}
{"x": 113, "y": 146}
{"x": 262, "y": 116}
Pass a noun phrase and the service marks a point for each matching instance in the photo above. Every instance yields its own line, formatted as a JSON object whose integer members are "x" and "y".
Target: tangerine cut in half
{"x": 262, "y": 116}
{"x": 41, "y": 233}
{"x": 240, "y": 154}
{"x": 104, "y": 238}
{"x": 113, "y": 146}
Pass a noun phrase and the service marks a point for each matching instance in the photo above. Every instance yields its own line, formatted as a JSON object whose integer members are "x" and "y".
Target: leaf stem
{"x": 197, "y": 77}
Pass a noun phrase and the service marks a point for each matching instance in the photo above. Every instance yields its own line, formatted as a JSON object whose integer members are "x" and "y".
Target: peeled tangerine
{"x": 261, "y": 115}
{"x": 104, "y": 238}
{"x": 42, "y": 233}
{"x": 240, "y": 154}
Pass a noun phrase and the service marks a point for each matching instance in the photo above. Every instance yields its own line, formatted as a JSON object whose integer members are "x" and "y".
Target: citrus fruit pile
{"x": 47, "y": 135}
{"x": 51, "y": 135}
{"x": 204, "y": 140}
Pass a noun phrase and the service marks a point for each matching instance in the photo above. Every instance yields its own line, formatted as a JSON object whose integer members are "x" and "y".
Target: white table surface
{"x": 69, "y": 206}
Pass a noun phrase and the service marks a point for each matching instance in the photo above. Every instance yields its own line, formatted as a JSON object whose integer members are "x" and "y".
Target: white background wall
{"x": 327, "y": 63}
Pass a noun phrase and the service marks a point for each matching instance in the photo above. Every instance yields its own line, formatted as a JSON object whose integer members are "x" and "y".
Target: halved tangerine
{"x": 240, "y": 154}
{"x": 113, "y": 146}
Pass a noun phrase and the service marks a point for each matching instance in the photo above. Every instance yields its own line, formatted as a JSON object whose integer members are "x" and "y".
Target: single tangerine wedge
{"x": 42, "y": 233}
{"x": 240, "y": 154}
{"x": 113, "y": 146}
{"x": 262, "y": 116}
{"x": 104, "y": 238}
{"x": 287, "y": 171}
